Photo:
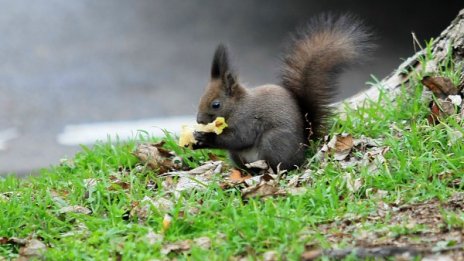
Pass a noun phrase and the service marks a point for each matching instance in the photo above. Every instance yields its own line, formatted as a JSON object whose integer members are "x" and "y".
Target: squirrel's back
{"x": 315, "y": 58}
{"x": 269, "y": 122}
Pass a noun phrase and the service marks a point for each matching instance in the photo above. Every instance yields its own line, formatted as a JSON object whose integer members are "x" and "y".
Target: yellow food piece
{"x": 217, "y": 126}
{"x": 187, "y": 139}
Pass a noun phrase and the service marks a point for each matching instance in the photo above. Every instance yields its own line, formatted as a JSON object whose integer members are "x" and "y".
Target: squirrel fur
{"x": 275, "y": 122}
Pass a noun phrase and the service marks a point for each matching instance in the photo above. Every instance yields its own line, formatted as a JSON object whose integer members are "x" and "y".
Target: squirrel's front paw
{"x": 204, "y": 139}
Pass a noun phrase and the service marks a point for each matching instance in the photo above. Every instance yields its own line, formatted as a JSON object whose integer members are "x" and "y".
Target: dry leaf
{"x": 197, "y": 178}
{"x": 236, "y": 176}
{"x": 437, "y": 258}
{"x": 270, "y": 256}
{"x": 156, "y": 157}
{"x": 153, "y": 238}
{"x": 454, "y": 136}
{"x": 210, "y": 167}
{"x": 447, "y": 107}
{"x": 374, "y": 158}
{"x": 116, "y": 182}
{"x": 262, "y": 190}
{"x": 90, "y": 184}
{"x": 58, "y": 199}
{"x": 161, "y": 204}
{"x": 177, "y": 247}
{"x": 294, "y": 181}
{"x": 295, "y": 191}
{"x": 440, "y": 86}
{"x": 75, "y": 209}
{"x": 203, "y": 242}
{"x": 442, "y": 108}
{"x": 353, "y": 185}
{"x": 364, "y": 142}
{"x": 142, "y": 209}
{"x": 34, "y": 248}
{"x": 80, "y": 230}
{"x": 341, "y": 144}
{"x": 311, "y": 254}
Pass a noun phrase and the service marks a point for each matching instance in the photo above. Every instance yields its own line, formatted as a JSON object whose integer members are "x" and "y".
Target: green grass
{"x": 418, "y": 153}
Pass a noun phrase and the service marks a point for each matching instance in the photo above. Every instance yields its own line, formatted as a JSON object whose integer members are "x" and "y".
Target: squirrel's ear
{"x": 220, "y": 62}
{"x": 220, "y": 69}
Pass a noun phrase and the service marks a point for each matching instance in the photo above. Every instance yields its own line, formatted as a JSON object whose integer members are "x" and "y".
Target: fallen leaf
{"x": 364, "y": 142}
{"x": 311, "y": 254}
{"x": 156, "y": 157}
{"x": 262, "y": 190}
{"x": 177, "y": 247}
{"x": 374, "y": 159}
{"x": 454, "y": 136}
{"x": 447, "y": 107}
{"x": 80, "y": 229}
{"x": 58, "y": 199}
{"x": 142, "y": 209}
{"x": 90, "y": 184}
{"x": 210, "y": 167}
{"x": 34, "y": 248}
{"x": 75, "y": 209}
{"x": 437, "y": 258}
{"x": 236, "y": 176}
{"x": 203, "y": 242}
{"x": 117, "y": 182}
{"x": 270, "y": 256}
{"x": 295, "y": 191}
{"x": 4, "y": 197}
{"x": 195, "y": 179}
{"x": 353, "y": 185}
{"x": 440, "y": 86}
{"x": 341, "y": 145}
{"x": 442, "y": 108}
{"x": 153, "y": 238}
{"x": 434, "y": 113}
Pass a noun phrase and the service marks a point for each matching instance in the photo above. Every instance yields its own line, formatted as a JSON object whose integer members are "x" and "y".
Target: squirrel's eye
{"x": 215, "y": 105}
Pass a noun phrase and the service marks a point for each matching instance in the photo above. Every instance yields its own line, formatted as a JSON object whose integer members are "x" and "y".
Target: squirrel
{"x": 276, "y": 122}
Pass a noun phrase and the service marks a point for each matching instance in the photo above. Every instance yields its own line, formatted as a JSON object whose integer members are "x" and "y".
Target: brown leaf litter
{"x": 30, "y": 247}
{"x": 425, "y": 233}
{"x": 448, "y": 98}
{"x": 186, "y": 245}
{"x": 157, "y": 158}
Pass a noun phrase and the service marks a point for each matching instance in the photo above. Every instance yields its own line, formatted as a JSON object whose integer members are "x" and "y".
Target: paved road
{"x": 81, "y": 62}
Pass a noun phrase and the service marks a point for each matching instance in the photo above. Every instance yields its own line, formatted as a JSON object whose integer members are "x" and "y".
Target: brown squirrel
{"x": 272, "y": 122}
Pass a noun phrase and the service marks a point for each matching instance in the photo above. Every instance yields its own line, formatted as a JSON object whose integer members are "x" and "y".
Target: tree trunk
{"x": 450, "y": 40}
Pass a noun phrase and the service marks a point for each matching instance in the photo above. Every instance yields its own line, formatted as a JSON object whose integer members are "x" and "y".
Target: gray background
{"x": 72, "y": 62}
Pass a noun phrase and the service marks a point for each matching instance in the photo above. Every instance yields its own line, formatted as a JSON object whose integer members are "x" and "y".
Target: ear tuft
{"x": 220, "y": 62}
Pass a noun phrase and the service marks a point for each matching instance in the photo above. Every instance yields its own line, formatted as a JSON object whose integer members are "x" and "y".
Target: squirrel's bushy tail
{"x": 314, "y": 59}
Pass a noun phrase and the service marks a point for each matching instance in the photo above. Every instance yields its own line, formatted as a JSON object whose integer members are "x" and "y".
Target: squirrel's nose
{"x": 202, "y": 118}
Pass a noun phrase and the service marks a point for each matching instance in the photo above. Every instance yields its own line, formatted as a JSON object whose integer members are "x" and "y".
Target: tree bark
{"x": 450, "y": 40}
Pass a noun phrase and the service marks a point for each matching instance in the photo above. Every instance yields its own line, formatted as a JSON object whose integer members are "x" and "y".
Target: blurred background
{"x": 72, "y": 72}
